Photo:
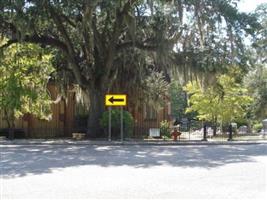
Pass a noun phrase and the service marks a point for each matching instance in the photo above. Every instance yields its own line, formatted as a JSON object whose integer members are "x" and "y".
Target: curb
{"x": 178, "y": 143}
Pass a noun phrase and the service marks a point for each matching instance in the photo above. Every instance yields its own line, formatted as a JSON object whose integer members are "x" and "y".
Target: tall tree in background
{"x": 260, "y": 42}
{"x": 256, "y": 79}
{"x": 95, "y": 38}
{"x": 256, "y": 82}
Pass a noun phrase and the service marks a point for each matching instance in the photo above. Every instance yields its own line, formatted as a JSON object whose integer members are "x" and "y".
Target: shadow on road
{"x": 19, "y": 161}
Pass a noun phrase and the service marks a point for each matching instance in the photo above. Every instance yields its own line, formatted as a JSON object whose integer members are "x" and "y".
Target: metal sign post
{"x": 109, "y": 123}
{"x": 121, "y": 124}
{"x": 189, "y": 128}
{"x": 115, "y": 100}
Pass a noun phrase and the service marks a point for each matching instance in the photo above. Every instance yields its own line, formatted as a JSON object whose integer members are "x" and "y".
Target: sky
{"x": 249, "y": 5}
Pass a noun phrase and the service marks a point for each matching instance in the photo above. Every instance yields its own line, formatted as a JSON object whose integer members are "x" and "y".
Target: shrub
{"x": 165, "y": 129}
{"x": 257, "y": 127}
{"x": 116, "y": 122}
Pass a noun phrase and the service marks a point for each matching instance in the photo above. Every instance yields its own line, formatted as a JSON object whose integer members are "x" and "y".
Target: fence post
{"x": 204, "y": 132}
{"x": 230, "y": 133}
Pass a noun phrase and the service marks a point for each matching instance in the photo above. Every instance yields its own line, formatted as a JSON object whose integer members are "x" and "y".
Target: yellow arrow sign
{"x": 116, "y": 100}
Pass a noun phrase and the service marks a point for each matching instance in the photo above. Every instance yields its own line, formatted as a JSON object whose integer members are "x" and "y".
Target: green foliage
{"x": 178, "y": 99}
{"x": 155, "y": 89}
{"x": 90, "y": 33}
{"x": 25, "y": 70}
{"x": 257, "y": 127}
{"x": 256, "y": 83}
{"x": 256, "y": 79}
{"x": 204, "y": 102}
{"x": 235, "y": 103}
{"x": 260, "y": 41}
{"x": 226, "y": 101}
{"x": 128, "y": 122}
{"x": 165, "y": 129}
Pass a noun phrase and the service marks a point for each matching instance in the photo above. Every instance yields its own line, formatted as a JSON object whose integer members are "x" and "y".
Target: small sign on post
{"x": 115, "y": 100}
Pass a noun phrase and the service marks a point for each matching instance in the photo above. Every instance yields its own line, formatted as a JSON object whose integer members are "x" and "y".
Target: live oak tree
{"x": 25, "y": 70}
{"x": 106, "y": 45}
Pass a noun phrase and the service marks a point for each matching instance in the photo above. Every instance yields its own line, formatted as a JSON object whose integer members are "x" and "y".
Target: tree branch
{"x": 137, "y": 44}
{"x": 111, "y": 51}
{"x": 9, "y": 42}
{"x": 45, "y": 40}
{"x": 71, "y": 52}
{"x": 87, "y": 33}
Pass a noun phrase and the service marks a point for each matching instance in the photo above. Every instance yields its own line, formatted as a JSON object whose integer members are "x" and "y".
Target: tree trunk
{"x": 214, "y": 130}
{"x": 11, "y": 131}
{"x": 9, "y": 117}
{"x": 214, "y": 126}
{"x": 204, "y": 132}
{"x": 96, "y": 109}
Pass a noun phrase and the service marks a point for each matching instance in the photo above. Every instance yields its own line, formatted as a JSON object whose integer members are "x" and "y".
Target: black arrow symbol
{"x": 111, "y": 100}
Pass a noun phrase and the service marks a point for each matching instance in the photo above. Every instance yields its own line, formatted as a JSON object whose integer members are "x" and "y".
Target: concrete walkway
{"x": 127, "y": 142}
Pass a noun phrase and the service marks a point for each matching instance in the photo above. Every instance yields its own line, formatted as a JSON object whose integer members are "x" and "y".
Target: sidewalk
{"x": 127, "y": 142}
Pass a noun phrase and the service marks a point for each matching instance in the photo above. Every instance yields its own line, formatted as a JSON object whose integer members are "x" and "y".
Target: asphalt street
{"x": 123, "y": 172}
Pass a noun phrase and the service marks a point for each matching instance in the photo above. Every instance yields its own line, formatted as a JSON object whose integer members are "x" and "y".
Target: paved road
{"x": 178, "y": 172}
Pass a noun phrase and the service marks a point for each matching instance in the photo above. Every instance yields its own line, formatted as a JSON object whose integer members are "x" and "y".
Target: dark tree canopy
{"x": 111, "y": 45}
